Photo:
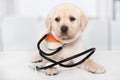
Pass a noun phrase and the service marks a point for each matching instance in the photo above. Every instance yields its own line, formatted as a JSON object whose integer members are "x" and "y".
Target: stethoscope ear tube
{"x": 54, "y": 63}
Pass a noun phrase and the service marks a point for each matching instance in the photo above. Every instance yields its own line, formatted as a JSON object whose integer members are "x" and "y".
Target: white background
{"x": 41, "y": 8}
{"x": 22, "y": 20}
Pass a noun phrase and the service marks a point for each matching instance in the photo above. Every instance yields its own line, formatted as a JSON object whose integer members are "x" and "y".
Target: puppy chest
{"x": 68, "y": 51}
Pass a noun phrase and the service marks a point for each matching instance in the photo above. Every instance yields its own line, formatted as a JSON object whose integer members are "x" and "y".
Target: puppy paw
{"x": 37, "y": 58}
{"x": 92, "y": 67}
{"x": 51, "y": 71}
{"x": 96, "y": 69}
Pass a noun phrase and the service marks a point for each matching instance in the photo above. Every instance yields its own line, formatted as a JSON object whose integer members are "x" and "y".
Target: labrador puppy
{"x": 66, "y": 23}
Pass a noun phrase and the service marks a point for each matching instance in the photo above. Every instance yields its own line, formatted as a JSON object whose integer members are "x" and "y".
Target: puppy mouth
{"x": 65, "y": 36}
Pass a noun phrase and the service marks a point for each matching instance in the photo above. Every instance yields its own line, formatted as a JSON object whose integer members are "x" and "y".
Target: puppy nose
{"x": 64, "y": 29}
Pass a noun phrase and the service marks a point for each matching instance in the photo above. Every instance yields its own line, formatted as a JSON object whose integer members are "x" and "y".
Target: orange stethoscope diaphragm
{"x": 50, "y": 38}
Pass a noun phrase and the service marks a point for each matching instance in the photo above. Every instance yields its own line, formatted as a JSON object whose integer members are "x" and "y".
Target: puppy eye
{"x": 57, "y": 19}
{"x": 72, "y": 19}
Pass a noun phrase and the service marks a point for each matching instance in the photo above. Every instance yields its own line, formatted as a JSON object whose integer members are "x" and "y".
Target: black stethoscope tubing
{"x": 44, "y": 55}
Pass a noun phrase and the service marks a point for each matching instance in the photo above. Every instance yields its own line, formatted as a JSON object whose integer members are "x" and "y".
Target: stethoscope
{"x": 60, "y": 63}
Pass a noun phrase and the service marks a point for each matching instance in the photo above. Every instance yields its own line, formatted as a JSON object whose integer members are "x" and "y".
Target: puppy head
{"x": 66, "y": 22}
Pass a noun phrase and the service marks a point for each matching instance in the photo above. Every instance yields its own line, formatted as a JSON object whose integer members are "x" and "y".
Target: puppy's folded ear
{"x": 83, "y": 21}
{"x": 48, "y": 24}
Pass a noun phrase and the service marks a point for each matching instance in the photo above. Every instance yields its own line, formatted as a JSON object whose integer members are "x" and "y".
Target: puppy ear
{"x": 48, "y": 24}
{"x": 83, "y": 21}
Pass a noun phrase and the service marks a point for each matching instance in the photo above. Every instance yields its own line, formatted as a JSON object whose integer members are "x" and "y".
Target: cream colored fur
{"x": 73, "y": 37}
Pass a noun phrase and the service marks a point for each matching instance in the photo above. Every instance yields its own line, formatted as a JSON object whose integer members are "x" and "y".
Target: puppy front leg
{"x": 91, "y": 66}
{"x": 36, "y": 58}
